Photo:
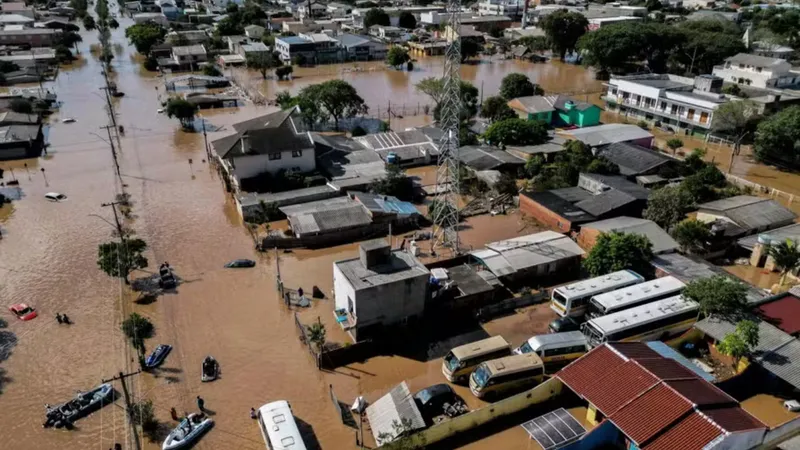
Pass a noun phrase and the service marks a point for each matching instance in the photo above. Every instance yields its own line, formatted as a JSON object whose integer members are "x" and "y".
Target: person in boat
{"x": 58, "y": 318}
{"x": 174, "y": 414}
{"x": 253, "y": 414}
{"x": 66, "y": 320}
{"x": 201, "y": 404}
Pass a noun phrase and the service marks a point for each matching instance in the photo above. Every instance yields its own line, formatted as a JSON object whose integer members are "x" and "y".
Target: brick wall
{"x": 544, "y": 215}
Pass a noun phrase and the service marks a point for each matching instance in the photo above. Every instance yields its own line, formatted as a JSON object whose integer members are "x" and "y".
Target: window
{"x": 758, "y": 69}
{"x": 297, "y": 153}
{"x": 274, "y": 156}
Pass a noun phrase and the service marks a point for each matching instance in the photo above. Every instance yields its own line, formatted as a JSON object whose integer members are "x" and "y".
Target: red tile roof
{"x": 784, "y": 313}
{"x": 691, "y": 433}
{"x": 584, "y": 371}
{"x": 652, "y": 412}
{"x": 634, "y": 350}
{"x": 667, "y": 369}
{"x": 733, "y": 419}
{"x": 616, "y": 387}
{"x": 701, "y": 393}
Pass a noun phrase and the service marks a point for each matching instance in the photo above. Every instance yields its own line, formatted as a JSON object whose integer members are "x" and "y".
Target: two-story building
{"x": 510, "y": 8}
{"x": 188, "y": 56}
{"x": 34, "y": 37}
{"x": 361, "y": 48}
{"x": 757, "y": 71}
{"x": 674, "y": 101}
{"x": 315, "y": 48}
{"x": 316, "y": 9}
{"x": 387, "y": 33}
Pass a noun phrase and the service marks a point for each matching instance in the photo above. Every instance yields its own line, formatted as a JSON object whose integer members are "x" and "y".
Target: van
{"x": 511, "y": 373}
{"x": 278, "y": 427}
{"x": 556, "y": 349}
{"x": 462, "y": 360}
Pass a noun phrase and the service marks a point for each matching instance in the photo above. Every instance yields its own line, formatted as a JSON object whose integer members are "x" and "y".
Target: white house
{"x": 510, "y": 8}
{"x": 189, "y": 54}
{"x": 267, "y": 144}
{"x": 158, "y": 18}
{"x": 317, "y": 10}
{"x": 757, "y": 71}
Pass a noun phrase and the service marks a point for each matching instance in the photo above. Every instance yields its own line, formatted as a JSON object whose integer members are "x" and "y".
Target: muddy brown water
{"x": 48, "y": 259}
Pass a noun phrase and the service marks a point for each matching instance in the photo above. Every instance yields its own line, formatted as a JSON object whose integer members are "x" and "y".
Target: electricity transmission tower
{"x": 445, "y": 212}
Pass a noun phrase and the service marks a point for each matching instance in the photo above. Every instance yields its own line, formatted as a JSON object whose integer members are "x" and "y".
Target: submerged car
{"x": 55, "y": 197}
{"x": 23, "y": 311}
{"x": 437, "y": 401}
{"x": 238, "y": 263}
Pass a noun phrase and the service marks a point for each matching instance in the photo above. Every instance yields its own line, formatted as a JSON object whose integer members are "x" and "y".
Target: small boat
{"x": 187, "y": 432}
{"x": 67, "y": 120}
{"x": 82, "y": 405}
{"x": 166, "y": 277}
{"x": 210, "y": 369}
{"x": 239, "y": 263}
{"x": 158, "y": 356}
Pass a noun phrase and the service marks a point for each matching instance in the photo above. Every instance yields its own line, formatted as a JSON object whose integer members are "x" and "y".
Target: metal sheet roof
{"x": 784, "y": 362}
{"x": 393, "y": 407}
{"x": 608, "y": 134}
{"x": 779, "y": 234}
{"x": 524, "y": 252}
{"x": 784, "y": 313}
{"x": 751, "y": 212}
{"x": 661, "y": 240}
{"x": 769, "y": 337}
{"x": 633, "y": 159}
{"x": 668, "y": 352}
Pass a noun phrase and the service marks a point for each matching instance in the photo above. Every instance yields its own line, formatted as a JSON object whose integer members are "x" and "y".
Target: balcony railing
{"x": 661, "y": 112}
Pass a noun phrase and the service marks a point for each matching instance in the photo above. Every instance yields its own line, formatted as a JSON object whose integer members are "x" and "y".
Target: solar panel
{"x": 554, "y": 429}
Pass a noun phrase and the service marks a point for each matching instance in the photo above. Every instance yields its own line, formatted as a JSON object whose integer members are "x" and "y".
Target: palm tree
{"x": 786, "y": 256}
{"x": 316, "y": 335}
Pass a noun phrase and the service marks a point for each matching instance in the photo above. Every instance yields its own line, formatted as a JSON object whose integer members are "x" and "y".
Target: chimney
{"x": 374, "y": 253}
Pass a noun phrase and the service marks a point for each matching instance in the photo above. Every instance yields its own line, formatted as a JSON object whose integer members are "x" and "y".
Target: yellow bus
{"x": 556, "y": 349}
{"x": 511, "y": 373}
{"x": 462, "y": 360}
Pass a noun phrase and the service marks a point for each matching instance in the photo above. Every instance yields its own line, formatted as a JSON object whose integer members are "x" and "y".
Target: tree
{"x": 407, "y": 20}
{"x": 786, "y": 256}
{"x": 777, "y": 137}
{"x": 718, "y": 295}
{"x": 229, "y": 26}
{"x": 397, "y": 56}
{"x": 469, "y": 49}
{"x": 563, "y": 29}
{"x": 68, "y": 39}
{"x": 113, "y": 23}
{"x": 265, "y": 213}
{"x": 618, "y": 251}
{"x": 358, "y": 131}
{"x": 261, "y": 61}
{"x": 21, "y": 105}
{"x": 668, "y": 206}
{"x": 516, "y": 85}
{"x": 119, "y": 259}
{"x": 88, "y": 23}
{"x": 691, "y": 234}
{"x": 283, "y": 72}
{"x": 704, "y": 43}
{"x": 432, "y": 87}
{"x": 506, "y": 184}
{"x": 137, "y": 328}
{"x": 674, "y": 144}
{"x": 211, "y": 71}
{"x": 741, "y": 342}
{"x": 395, "y": 183}
{"x": 316, "y": 336}
{"x": 143, "y": 414}
{"x": 336, "y": 98}
{"x": 536, "y": 44}
{"x": 737, "y": 119}
{"x": 63, "y": 54}
{"x": 496, "y": 108}
{"x": 144, "y": 36}
{"x": 516, "y": 132}
{"x": 182, "y": 110}
{"x": 376, "y": 16}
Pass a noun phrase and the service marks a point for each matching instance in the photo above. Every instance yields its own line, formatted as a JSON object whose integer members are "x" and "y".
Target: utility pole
{"x": 114, "y": 152}
{"x": 205, "y": 139}
{"x": 113, "y": 206}
{"x": 128, "y": 404}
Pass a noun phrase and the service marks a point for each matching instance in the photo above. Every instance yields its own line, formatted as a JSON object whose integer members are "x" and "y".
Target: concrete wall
{"x": 251, "y": 165}
{"x": 544, "y": 215}
{"x": 540, "y": 394}
{"x": 781, "y": 433}
{"x": 745, "y": 439}
{"x": 391, "y": 303}
{"x": 342, "y": 289}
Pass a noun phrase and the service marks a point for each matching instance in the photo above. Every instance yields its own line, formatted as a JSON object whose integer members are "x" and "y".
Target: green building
{"x": 557, "y": 110}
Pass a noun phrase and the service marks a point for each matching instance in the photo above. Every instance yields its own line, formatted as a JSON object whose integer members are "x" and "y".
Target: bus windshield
{"x": 525, "y": 348}
{"x": 558, "y": 298}
{"x": 481, "y": 376}
{"x": 451, "y": 362}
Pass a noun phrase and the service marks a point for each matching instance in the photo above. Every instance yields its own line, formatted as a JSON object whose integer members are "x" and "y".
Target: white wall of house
{"x": 342, "y": 289}
{"x": 670, "y": 104}
{"x": 391, "y": 303}
{"x": 732, "y": 441}
{"x": 509, "y": 8}
{"x": 251, "y": 165}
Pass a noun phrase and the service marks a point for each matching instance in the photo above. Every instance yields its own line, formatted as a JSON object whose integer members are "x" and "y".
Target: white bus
{"x": 631, "y": 296}
{"x": 653, "y": 321}
{"x": 556, "y": 349}
{"x": 278, "y": 427}
{"x": 573, "y": 299}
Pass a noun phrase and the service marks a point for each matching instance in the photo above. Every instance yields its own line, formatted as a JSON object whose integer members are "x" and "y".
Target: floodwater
{"x": 48, "y": 259}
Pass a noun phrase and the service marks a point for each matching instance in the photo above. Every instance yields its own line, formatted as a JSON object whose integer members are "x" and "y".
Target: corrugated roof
{"x": 751, "y": 212}
{"x": 393, "y": 407}
{"x": 651, "y": 412}
{"x": 486, "y": 157}
{"x": 329, "y": 220}
{"x": 784, "y": 362}
{"x": 733, "y": 419}
{"x": 633, "y": 159}
{"x": 532, "y": 104}
{"x": 701, "y": 393}
{"x": 524, "y": 252}
{"x": 572, "y": 194}
{"x": 666, "y": 369}
{"x": 691, "y": 433}
{"x": 769, "y": 337}
{"x": 784, "y": 313}
{"x": 608, "y": 134}
{"x": 668, "y": 352}
{"x": 584, "y": 371}
{"x": 754, "y": 60}
{"x": 661, "y": 240}
{"x": 560, "y": 206}
{"x": 778, "y": 234}
{"x": 616, "y": 387}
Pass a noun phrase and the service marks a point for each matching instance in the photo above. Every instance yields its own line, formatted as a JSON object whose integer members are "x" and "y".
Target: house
{"x": 596, "y": 197}
{"x": 661, "y": 240}
{"x": 541, "y": 255}
{"x": 339, "y": 10}
{"x": 256, "y": 48}
{"x": 758, "y": 245}
{"x": 510, "y": 8}
{"x": 387, "y": 33}
{"x": 17, "y": 8}
{"x": 398, "y": 406}
{"x": 315, "y": 9}
{"x": 15, "y": 19}
{"x": 15, "y": 118}
{"x": 35, "y": 37}
{"x": 647, "y": 401}
{"x": 65, "y": 11}
{"x": 481, "y": 23}
{"x": 597, "y": 23}
{"x": 314, "y": 48}
{"x": 679, "y": 102}
{"x": 158, "y": 18}
{"x": 634, "y": 160}
{"x": 770, "y": 50}
{"x": 361, "y": 48}
{"x": 557, "y": 110}
{"x": 348, "y": 164}
{"x": 254, "y": 32}
{"x": 513, "y": 34}
{"x": 32, "y": 60}
{"x": 757, "y": 71}
{"x": 267, "y": 144}
{"x": 610, "y": 133}
{"x": 19, "y": 141}
{"x": 381, "y": 287}
{"x": 467, "y": 32}
{"x": 749, "y": 213}
{"x": 554, "y": 145}
{"x": 236, "y": 41}
{"x": 188, "y": 56}
{"x": 485, "y": 157}
{"x": 410, "y": 147}
{"x": 189, "y": 37}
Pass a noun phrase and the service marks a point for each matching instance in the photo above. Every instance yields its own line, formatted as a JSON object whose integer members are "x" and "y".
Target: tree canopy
{"x": 619, "y": 251}
{"x": 407, "y": 20}
{"x": 691, "y": 234}
{"x": 516, "y": 85}
{"x": 144, "y": 36}
{"x": 137, "y": 328}
{"x": 397, "y": 56}
{"x": 181, "y": 110}
{"x": 395, "y": 183}
{"x": 337, "y": 99}
{"x": 470, "y": 48}
{"x": 376, "y": 16}
{"x": 563, "y": 29}
{"x": 718, "y": 296}
{"x": 777, "y": 139}
{"x": 786, "y": 255}
{"x": 536, "y": 44}
{"x": 668, "y": 206}
{"x": 516, "y": 131}
{"x": 741, "y": 342}
{"x": 119, "y": 260}
{"x": 736, "y": 119}
{"x": 496, "y": 108}
{"x": 262, "y": 61}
